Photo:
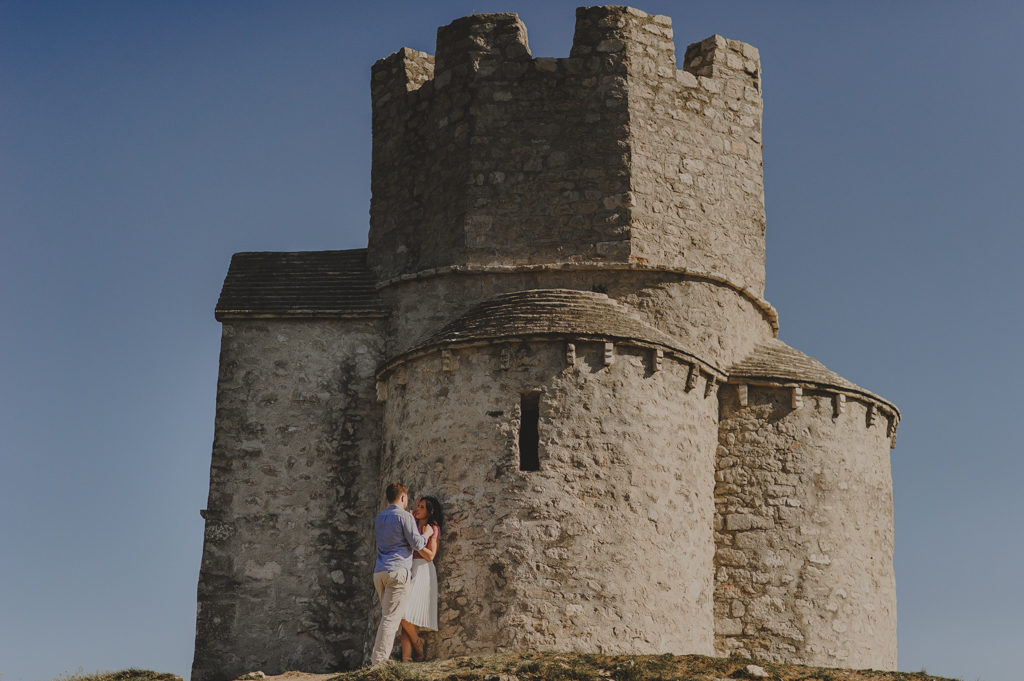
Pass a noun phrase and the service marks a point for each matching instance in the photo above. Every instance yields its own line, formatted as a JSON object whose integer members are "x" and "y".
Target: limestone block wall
{"x": 608, "y": 547}
{"x": 707, "y": 315}
{"x": 288, "y": 543}
{"x": 804, "y": 530}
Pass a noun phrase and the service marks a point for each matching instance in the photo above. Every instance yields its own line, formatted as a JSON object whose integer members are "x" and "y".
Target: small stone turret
{"x": 558, "y": 329}
{"x": 804, "y": 527}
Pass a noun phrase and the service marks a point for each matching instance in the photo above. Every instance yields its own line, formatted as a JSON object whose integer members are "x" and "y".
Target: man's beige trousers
{"x": 391, "y": 588}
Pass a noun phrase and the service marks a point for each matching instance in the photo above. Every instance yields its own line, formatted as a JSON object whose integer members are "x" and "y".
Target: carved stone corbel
{"x": 839, "y": 403}
{"x": 691, "y": 378}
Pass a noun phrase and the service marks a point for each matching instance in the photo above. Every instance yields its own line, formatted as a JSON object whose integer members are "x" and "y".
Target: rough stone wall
{"x": 723, "y": 324}
{"x": 608, "y": 546}
{"x": 288, "y": 543}
{"x": 804, "y": 531}
{"x": 696, "y": 190}
{"x": 706, "y": 315}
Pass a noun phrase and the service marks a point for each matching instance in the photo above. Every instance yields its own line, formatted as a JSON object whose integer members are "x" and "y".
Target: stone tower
{"x": 558, "y": 329}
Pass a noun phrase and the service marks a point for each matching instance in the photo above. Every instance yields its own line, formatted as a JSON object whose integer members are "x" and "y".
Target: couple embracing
{"x": 404, "y": 575}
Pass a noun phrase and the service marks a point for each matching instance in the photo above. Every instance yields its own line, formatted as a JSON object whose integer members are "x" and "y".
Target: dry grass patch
{"x": 123, "y": 675}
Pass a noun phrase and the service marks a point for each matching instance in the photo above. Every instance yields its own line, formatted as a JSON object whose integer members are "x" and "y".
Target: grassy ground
{"x": 579, "y": 667}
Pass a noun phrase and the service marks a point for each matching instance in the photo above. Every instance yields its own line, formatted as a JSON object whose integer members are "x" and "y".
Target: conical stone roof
{"x": 555, "y": 313}
{"x": 774, "y": 361}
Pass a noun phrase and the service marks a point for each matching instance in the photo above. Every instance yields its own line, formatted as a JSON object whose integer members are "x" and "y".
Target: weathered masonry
{"x": 558, "y": 329}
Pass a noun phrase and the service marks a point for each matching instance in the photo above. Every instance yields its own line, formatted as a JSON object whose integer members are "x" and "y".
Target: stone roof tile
{"x": 299, "y": 284}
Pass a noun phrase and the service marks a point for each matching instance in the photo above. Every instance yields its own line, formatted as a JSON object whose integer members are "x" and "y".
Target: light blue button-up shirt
{"x": 397, "y": 538}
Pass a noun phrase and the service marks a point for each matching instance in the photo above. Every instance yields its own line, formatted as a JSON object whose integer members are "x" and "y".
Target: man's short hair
{"x": 395, "y": 490}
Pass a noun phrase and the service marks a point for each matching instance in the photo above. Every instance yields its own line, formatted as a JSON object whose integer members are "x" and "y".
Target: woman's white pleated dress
{"x": 421, "y": 601}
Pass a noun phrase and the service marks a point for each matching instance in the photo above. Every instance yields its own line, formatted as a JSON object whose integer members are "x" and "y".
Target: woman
{"x": 421, "y": 601}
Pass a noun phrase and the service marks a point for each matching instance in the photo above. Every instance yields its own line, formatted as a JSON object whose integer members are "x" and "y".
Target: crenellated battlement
{"x": 399, "y": 73}
{"x": 480, "y": 44}
{"x": 606, "y": 39}
{"x": 718, "y": 57}
{"x": 611, "y": 36}
{"x": 486, "y": 155}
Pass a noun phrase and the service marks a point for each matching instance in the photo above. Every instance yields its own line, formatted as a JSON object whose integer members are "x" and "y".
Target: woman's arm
{"x": 430, "y": 550}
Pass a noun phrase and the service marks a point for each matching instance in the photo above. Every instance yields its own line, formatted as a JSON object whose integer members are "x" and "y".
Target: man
{"x": 397, "y": 537}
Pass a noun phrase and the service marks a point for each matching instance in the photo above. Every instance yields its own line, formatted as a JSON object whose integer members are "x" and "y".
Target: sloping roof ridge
{"x": 554, "y": 293}
{"x": 334, "y": 251}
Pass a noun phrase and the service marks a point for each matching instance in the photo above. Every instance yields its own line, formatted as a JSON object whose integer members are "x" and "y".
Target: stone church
{"x": 558, "y": 328}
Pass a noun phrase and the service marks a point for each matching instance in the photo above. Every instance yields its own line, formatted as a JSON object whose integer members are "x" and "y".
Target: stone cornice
{"x": 766, "y": 308}
{"x": 718, "y": 375}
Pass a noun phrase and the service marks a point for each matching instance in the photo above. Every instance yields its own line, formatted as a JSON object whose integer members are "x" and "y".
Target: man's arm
{"x": 430, "y": 550}
{"x": 412, "y": 535}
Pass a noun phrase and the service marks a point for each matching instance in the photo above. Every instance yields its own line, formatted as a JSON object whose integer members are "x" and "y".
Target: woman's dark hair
{"x": 434, "y": 513}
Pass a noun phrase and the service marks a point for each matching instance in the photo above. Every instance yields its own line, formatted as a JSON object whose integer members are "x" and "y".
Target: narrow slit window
{"x": 529, "y": 438}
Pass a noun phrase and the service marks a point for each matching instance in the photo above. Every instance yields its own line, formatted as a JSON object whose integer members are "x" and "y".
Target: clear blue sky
{"x": 142, "y": 143}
